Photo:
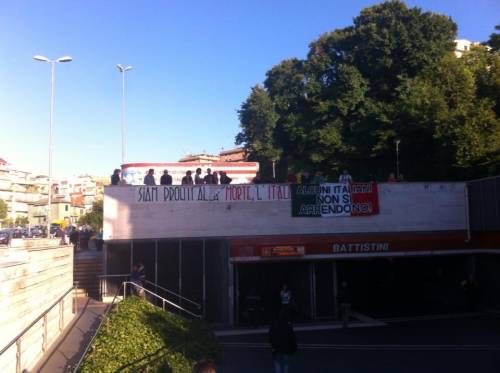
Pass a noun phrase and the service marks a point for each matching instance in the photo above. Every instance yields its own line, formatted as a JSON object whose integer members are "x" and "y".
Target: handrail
{"x": 174, "y": 294}
{"x": 102, "y": 288}
{"x": 104, "y": 317}
{"x": 158, "y": 286}
{"x": 164, "y": 300}
{"x": 120, "y": 275}
{"x": 36, "y": 320}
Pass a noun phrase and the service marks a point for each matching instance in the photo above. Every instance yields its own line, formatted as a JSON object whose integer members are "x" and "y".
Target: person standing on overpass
{"x": 149, "y": 179}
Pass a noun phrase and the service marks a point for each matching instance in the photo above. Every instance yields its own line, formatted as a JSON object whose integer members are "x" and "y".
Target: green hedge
{"x": 139, "y": 337}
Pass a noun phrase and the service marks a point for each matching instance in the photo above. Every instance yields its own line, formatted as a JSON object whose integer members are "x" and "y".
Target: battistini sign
{"x": 364, "y": 247}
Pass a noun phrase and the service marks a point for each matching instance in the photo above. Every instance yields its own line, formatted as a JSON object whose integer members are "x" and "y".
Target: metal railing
{"x": 103, "y": 283}
{"x": 18, "y": 339}
{"x": 175, "y": 297}
{"x": 163, "y": 300}
{"x": 174, "y": 294}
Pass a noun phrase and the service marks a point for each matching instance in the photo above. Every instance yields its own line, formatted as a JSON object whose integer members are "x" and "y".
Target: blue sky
{"x": 193, "y": 64}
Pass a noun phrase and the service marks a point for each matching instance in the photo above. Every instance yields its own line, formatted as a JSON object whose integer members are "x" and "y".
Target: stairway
{"x": 87, "y": 266}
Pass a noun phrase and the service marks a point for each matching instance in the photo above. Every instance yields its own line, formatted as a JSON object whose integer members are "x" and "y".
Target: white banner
{"x": 335, "y": 200}
{"x": 212, "y": 193}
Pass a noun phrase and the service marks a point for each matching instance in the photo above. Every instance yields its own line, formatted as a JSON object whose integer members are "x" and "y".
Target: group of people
{"x": 80, "y": 237}
{"x": 306, "y": 178}
{"x": 210, "y": 178}
{"x": 166, "y": 179}
{"x": 221, "y": 177}
{"x": 319, "y": 178}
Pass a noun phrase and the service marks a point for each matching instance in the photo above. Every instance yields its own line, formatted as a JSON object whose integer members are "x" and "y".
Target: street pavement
{"x": 455, "y": 344}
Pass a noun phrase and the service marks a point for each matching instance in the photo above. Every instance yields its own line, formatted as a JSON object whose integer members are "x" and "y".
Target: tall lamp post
{"x": 53, "y": 69}
{"x": 123, "y": 70}
{"x": 397, "y": 159}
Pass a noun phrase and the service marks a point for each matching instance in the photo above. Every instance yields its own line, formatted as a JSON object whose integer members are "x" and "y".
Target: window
{"x": 65, "y": 207}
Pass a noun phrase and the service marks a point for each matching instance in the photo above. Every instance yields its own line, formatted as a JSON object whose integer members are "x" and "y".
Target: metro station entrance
{"x": 264, "y": 281}
{"x": 311, "y": 284}
{"x": 376, "y": 287}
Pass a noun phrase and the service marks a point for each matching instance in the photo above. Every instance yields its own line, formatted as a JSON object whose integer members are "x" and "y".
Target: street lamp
{"x": 52, "y": 65}
{"x": 123, "y": 70}
{"x": 397, "y": 159}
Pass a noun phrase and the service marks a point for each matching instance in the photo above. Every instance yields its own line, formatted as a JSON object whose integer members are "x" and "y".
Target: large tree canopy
{"x": 390, "y": 77}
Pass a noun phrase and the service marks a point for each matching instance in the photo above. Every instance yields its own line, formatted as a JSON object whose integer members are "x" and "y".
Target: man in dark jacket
{"x": 283, "y": 343}
{"x": 74, "y": 238}
{"x": 224, "y": 179}
{"x": 165, "y": 179}
{"x": 188, "y": 179}
{"x": 115, "y": 178}
{"x": 197, "y": 177}
{"x": 209, "y": 178}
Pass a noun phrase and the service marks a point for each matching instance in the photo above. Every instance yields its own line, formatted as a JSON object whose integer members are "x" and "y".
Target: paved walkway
{"x": 459, "y": 344}
{"x": 68, "y": 348}
{"x": 358, "y": 320}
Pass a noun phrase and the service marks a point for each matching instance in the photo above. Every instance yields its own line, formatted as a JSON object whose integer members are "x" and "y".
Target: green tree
{"x": 3, "y": 209}
{"x": 94, "y": 218}
{"x": 286, "y": 86}
{"x": 442, "y": 108}
{"x": 391, "y": 76}
{"x": 21, "y": 221}
{"x": 369, "y": 62}
{"x": 494, "y": 41}
{"x": 258, "y": 123}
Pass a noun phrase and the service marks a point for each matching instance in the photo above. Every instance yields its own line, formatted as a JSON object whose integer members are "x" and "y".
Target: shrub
{"x": 139, "y": 337}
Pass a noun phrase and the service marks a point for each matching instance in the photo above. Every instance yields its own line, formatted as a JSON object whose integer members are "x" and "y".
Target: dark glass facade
{"x": 196, "y": 269}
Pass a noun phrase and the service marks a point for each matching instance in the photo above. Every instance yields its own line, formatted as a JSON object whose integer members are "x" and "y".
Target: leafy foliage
{"x": 390, "y": 77}
{"x": 494, "y": 41}
{"x": 20, "y": 221}
{"x": 139, "y": 337}
{"x": 94, "y": 218}
{"x": 258, "y": 117}
{"x": 3, "y": 209}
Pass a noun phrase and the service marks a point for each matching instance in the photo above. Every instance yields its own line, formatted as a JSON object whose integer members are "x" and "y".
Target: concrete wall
{"x": 408, "y": 207}
{"x": 33, "y": 275}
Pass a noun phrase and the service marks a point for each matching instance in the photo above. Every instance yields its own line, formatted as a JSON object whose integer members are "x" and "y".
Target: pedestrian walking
{"x": 286, "y": 301}
{"x": 283, "y": 343}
